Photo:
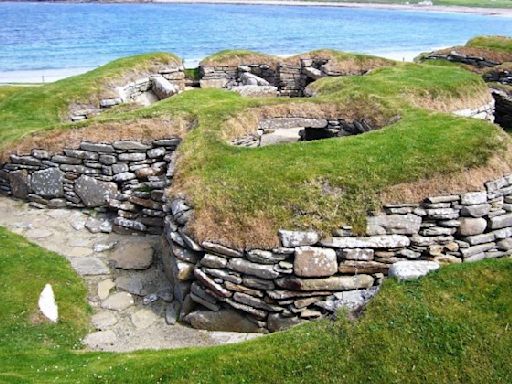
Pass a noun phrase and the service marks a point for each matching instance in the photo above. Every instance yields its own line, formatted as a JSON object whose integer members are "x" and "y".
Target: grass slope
{"x": 24, "y": 110}
{"x": 451, "y": 327}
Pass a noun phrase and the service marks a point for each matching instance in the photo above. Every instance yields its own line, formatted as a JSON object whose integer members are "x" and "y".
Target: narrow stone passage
{"x": 130, "y": 296}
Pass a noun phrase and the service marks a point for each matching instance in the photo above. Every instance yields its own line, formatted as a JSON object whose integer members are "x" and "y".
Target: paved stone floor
{"x": 130, "y": 305}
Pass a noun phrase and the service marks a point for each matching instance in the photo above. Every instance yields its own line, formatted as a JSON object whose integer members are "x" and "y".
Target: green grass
{"x": 229, "y": 56}
{"x": 451, "y": 327}
{"x": 496, "y": 43}
{"x": 31, "y": 109}
{"x": 272, "y": 187}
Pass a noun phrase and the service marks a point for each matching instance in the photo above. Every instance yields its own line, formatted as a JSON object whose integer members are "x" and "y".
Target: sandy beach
{"x": 402, "y": 7}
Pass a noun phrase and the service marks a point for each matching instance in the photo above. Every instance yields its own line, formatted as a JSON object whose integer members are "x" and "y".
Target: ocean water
{"x": 72, "y": 37}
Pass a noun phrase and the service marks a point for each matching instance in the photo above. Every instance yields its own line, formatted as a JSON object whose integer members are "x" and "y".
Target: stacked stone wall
{"x": 310, "y": 277}
{"x": 124, "y": 178}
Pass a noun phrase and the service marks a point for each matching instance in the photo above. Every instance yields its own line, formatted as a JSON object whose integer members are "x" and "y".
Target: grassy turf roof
{"x": 242, "y": 196}
{"x": 457, "y": 315}
{"x": 24, "y": 110}
{"x": 235, "y": 57}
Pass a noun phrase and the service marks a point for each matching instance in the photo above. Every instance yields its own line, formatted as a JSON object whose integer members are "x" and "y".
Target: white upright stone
{"x": 47, "y": 304}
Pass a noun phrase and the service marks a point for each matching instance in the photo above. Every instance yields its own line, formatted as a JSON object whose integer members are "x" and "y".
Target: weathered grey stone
{"x": 502, "y": 221}
{"x": 335, "y": 283}
{"x": 163, "y": 88}
{"x": 131, "y": 284}
{"x": 96, "y": 147}
{"x": 104, "y": 320}
{"x": 505, "y": 244}
{"x": 480, "y": 239}
{"x": 256, "y": 283}
{"x": 131, "y": 224}
{"x": 265, "y": 257}
{"x": 211, "y": 284}
{"x": 94, "y": 193}
{"x": 220, "y": 249}
{"x": 393, "y": 224}
{"x": 472, "y": 226}
{"x": 276, "y": 322}
{"x": 292, "y": 122}
{"x": 228, "y": 276}
{"x": 121, "y": 168}
{"x": 130, "y": 145}
{"x": 471, "y": 251}
{"x": 443, "y": 199}
{"x": 100, "y": 339}
{"x": 48, "y": 183}
{"x": 315, "y": 262}
{"x": 107, "y": 159}
{"x": 156, "y": 152}
{"x": 66, "y": 160}
{"x": 19, "y": 182}
{"x": 385, "y": 241}
{"x": 224, "y": 321}
{"x": 89, "y": 266}
{"x": 212, "y": 261}
{"x": 503, "y": 233}
{"x": 443, "y": 213}
{"x": 357, "y": 266}
{"x": 132, "y": 156}
{"x": 143, "y": 318}
{"x": 203, "y": 302}
{"x": 118, "y": 301}
{"x": 257, "y": 313}
{"x": 255, "y": 302}
{"x": 256, "y": 91}
{"x": 437, "y": 231}
{"x": 254, "y": 269}
{"x": 357, "y": 254}
{"x": 291, "y": 239}
{"x": 104, "y": 288}
{"x": 473, "y": 198}
{"x": 132, "y": 255}
{"x": 475, "y": 210}
{"x": 412, "y": 270}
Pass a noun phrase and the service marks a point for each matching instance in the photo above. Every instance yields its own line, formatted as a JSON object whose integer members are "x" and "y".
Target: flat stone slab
{"x": 118, "y": 301}
{"x": 97, "y": 340}
{"x": 104, "y": 320}
{"x": 38, "y": 233}
{"x": 89, "y": 266}
{"x": 132, "y": 256}
{"x": 104, "y": 288}
{"x": 143, "y": 318}
{"x": 412, "y": 270}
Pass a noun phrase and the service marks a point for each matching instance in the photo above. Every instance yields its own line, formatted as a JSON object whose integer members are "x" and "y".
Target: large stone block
{"x": 93, "y": 192}
{"x": 19, "y": 181}
{"x": 393, "y": 225}
{"x": 334, "y": 283}
{"x": 253, "y": 269}
{"x": 412, "y": 270}
{"x": 470, "y": 226}
{"x": 223, "y": 321}
{"x": 502, "y": 221}
{"x": 48, "y": 183}
{"x": 385, "y": 241}
{"x": 290, "y": 239}
{"x": 315, "y": 262}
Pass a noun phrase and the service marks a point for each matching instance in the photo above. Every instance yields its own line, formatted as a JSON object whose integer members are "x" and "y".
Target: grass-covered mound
{"x": 236, "y": 57}
{"x": 24, "y": 110}
{"x": 495, "y": 49}
{"x": 450, "y": 327}
{"x": 343, "y": 63}
{"x": 243, "y": 196}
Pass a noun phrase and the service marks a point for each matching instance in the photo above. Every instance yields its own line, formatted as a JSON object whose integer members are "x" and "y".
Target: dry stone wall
{"x": 124, "y": 178}
{"x": 286, "y": 79}
{"x": 310, "y": 277}
{"x": 166, "y": 83}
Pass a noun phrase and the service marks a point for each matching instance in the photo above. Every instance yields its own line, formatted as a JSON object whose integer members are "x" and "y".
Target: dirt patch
{"x": 143, "y": 130}
{"x": 487, "y": 54}
{"x": 234, "y": 59}
{"x": 343, "y": 64}
{"x": 468, "y": 180}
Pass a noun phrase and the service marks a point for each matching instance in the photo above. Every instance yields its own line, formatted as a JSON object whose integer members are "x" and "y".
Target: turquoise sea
{"x": 67, "y": 37}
